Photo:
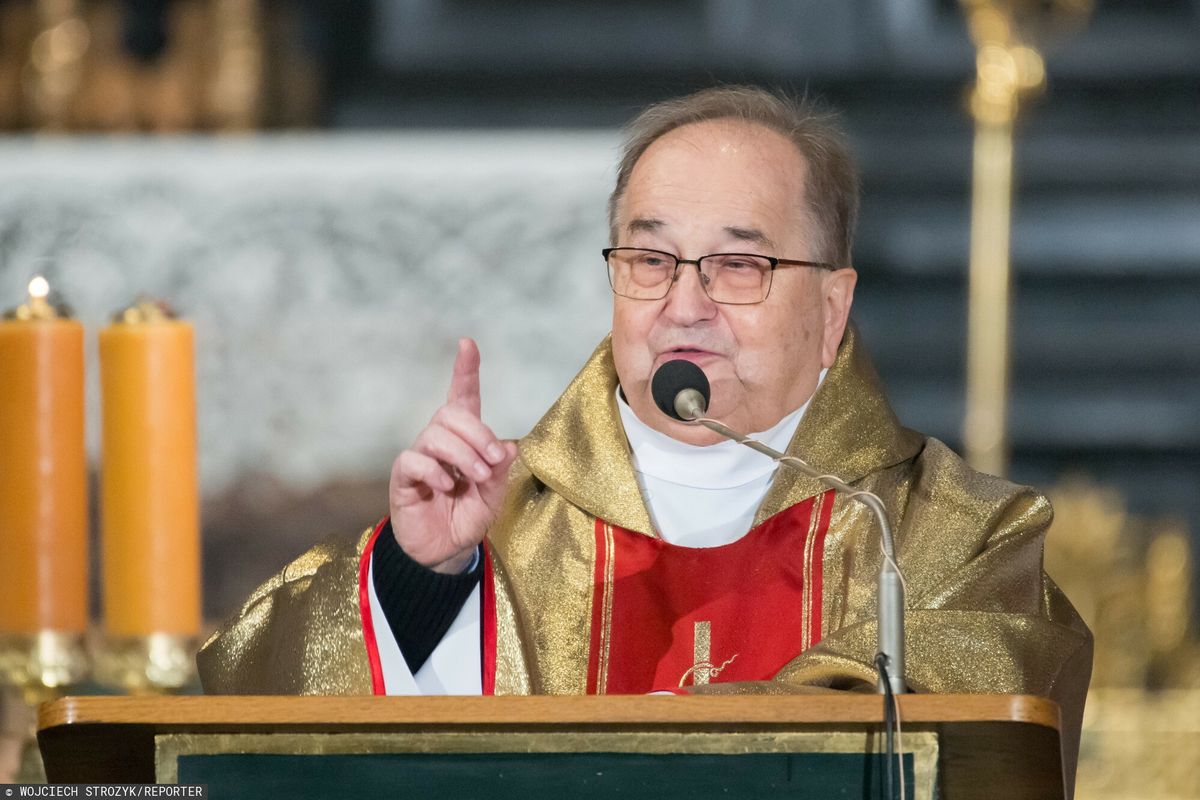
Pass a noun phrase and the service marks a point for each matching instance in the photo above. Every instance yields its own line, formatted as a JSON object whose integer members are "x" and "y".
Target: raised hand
{"x": 446, "y": 488}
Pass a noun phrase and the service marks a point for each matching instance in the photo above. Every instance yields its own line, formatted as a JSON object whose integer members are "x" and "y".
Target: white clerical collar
{"x": 724, "y": 465}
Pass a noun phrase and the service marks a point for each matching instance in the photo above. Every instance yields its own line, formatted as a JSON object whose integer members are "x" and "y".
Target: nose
{"x": 687, "y": 301}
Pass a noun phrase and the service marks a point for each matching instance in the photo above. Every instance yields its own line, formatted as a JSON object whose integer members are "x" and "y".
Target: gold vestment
{"x": 982, "y": 616}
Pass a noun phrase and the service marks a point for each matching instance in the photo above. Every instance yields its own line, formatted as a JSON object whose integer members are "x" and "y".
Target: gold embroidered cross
{"x": 702, "y": 670}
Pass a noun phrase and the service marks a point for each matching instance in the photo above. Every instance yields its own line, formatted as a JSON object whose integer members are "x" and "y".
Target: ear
{"x": 837, "y": 296}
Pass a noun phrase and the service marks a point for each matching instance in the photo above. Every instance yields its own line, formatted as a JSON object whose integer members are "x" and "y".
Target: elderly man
{"x": 617, "y": 550}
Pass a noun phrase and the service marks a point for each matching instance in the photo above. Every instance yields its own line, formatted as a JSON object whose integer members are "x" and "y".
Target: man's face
{"x": 717, "y": 187}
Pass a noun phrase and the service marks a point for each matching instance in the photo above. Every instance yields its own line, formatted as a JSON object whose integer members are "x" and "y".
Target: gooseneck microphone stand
{"x": 690, "y": 402}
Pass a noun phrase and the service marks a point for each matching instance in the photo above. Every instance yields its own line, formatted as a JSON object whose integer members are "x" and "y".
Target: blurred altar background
{"x": 333, "y": 191}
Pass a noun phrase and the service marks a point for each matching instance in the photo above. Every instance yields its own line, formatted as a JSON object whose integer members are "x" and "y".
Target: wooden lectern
{"x": 818, "y": 746}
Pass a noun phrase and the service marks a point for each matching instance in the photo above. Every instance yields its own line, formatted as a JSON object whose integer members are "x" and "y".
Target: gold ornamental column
{"x": 236, "y": 90}
{"x": 56, "y": 62}
{"x": 1006, "y": 69}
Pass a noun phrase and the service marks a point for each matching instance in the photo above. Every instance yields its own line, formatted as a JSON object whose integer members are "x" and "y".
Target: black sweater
{"x": 419, "y": 604}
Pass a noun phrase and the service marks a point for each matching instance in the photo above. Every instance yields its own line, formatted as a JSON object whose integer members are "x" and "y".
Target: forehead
{"x": 718, "y": 171}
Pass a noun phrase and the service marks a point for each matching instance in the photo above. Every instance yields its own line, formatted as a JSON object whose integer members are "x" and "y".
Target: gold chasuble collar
{"x": 579, "y": 449}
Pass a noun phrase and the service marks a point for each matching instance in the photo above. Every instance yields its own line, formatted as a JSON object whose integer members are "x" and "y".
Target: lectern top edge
{"x": 237, "y": 711}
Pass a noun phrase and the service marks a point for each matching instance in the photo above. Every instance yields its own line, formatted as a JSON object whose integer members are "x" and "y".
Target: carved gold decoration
{"x": 41, "y": 664}
{"x": 64, "y": 67}
{"x": 36, "y": 668}
{"x": 158, "y": 663}
{"x": 1140, "y": 744}
{"x": 1131, "y": 579}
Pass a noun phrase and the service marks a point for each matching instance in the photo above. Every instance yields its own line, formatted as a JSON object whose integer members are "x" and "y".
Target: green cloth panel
{"x": 521, "y": 776}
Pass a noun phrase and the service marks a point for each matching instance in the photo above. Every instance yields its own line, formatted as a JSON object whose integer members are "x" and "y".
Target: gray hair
{"x": 832, "y": 186}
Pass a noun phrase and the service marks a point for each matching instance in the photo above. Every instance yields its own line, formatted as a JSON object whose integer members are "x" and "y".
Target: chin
{"x": 694, "y": 435}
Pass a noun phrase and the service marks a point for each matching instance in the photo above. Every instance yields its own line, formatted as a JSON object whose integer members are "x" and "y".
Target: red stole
{"x": 665, "y": 616}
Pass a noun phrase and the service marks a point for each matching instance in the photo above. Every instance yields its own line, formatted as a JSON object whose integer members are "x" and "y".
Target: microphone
{"x": 681, "y": 391}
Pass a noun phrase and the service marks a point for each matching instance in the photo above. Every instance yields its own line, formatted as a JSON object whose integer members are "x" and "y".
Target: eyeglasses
{"x": 731, "y": 278}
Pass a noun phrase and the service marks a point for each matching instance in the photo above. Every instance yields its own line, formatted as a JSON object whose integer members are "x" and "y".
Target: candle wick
{"x": 42, "y": 304}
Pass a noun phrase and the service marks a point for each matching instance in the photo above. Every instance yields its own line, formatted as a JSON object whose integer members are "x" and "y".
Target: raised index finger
{"x": 464, "y": 383}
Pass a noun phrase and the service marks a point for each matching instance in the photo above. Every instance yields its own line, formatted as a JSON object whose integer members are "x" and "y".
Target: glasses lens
{"x": 736, "y": 277}
{"x": 640, "y": 274}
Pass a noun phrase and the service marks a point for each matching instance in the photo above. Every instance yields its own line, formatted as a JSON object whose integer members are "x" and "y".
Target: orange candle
{"x": 43, "y": 470}
{"x": 149, "y": 499}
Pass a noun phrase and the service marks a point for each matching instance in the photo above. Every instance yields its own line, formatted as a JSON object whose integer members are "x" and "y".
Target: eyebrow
{"x": 753, "y": 235}
{"x": 644, "y": 225}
